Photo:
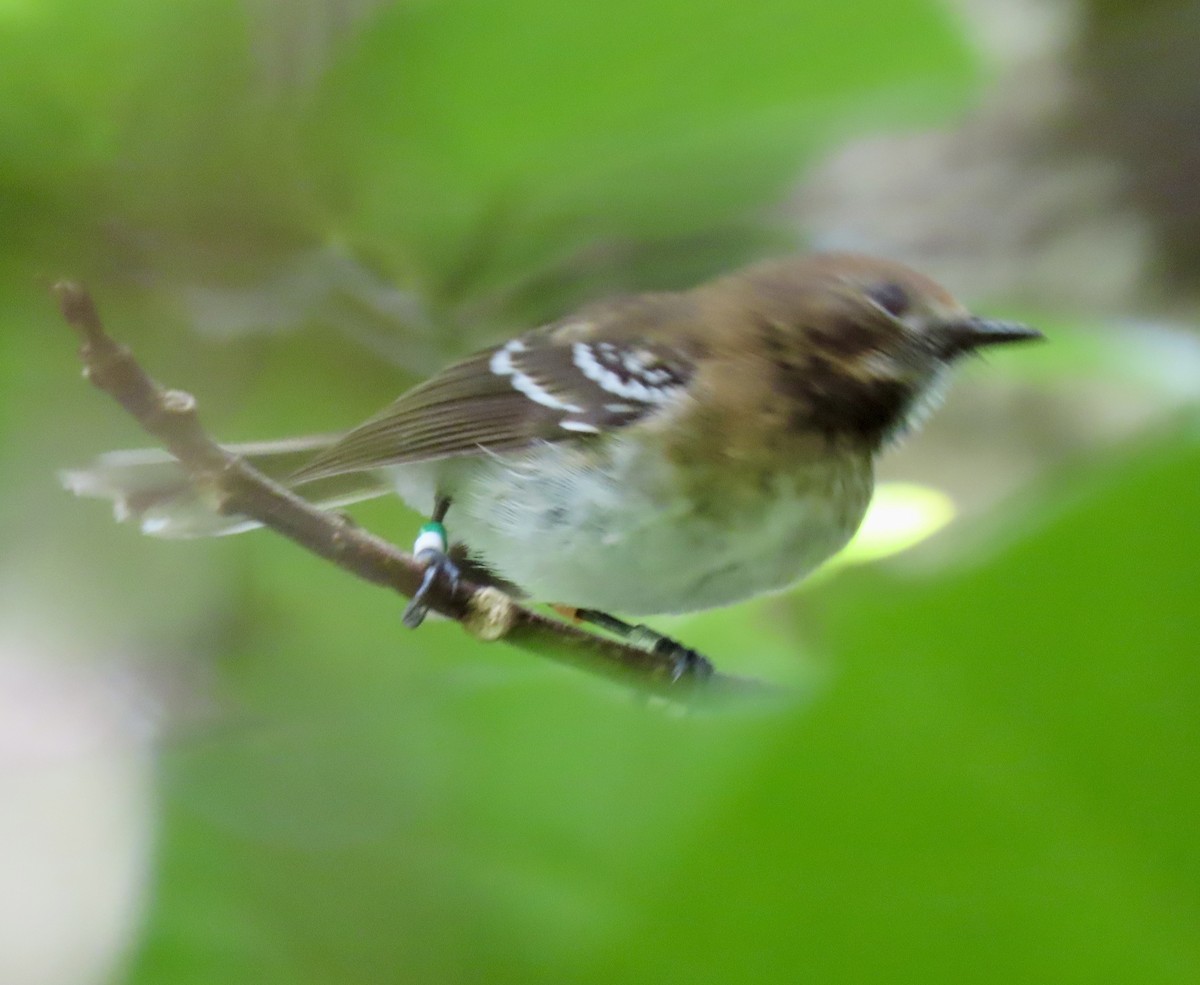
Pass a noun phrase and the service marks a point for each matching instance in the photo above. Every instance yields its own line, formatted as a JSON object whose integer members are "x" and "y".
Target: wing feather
{"x": 547, "y": 385}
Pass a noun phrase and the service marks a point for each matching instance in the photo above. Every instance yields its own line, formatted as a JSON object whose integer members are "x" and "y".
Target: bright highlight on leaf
{"x": 902, "y": 514}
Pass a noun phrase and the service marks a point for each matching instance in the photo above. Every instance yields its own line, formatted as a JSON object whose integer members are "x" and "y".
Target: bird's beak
{"x": 961, "y": 335}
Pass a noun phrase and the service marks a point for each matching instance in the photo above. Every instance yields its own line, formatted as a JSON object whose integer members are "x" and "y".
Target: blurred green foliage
{"x": 456, "y": 143}
{"x": 987, "y": 774}
{"x": 994, "y": 783}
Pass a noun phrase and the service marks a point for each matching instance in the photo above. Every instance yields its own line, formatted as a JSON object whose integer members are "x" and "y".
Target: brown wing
{"x": 553, "y": 384}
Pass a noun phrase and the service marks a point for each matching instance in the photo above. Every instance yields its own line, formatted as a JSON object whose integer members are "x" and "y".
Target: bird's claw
{"x": 439, "y": 568}
{"x": 685, "y": 662}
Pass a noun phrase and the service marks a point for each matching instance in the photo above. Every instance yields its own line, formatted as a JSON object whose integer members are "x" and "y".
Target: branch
{"x": 237, "y": 488}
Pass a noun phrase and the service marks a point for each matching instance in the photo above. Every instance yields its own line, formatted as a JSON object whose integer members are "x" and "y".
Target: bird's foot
{"x": 685, "y": 662}
{"x": 440, "y": 571}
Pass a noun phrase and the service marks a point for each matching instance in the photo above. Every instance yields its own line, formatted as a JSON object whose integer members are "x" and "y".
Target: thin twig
{"x": 236, "y": 488}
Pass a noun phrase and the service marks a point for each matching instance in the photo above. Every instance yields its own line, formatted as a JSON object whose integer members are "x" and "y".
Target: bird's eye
{"x": 891, "y": 297}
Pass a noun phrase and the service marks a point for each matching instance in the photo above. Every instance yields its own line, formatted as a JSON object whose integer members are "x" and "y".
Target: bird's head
{"x": 862, "y": 344}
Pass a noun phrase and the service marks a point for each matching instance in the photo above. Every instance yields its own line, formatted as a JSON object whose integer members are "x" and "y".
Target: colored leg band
{"x": 431, "y": 537}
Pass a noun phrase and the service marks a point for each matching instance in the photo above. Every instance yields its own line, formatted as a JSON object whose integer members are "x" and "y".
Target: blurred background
{"x": 227, "y": 762}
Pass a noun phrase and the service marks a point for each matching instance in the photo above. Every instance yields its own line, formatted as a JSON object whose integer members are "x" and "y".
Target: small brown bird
{"x": 655, "y": 453}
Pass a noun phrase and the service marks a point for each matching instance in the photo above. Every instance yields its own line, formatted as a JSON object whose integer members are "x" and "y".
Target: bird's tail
{"x": 148, "y": 486}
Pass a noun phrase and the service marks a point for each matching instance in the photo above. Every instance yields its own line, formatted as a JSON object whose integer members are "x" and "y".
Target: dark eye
{"x": 892, "y": 298}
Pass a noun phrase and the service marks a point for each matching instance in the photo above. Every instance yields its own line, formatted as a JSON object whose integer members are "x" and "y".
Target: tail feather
{"x": 148, "y": 487}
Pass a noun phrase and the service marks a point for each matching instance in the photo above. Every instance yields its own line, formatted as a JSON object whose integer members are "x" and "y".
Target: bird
{"x": 646, "y": 454}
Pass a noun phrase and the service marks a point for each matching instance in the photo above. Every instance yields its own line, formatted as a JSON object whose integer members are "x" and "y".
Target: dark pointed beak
{"x": 963, "y": 335}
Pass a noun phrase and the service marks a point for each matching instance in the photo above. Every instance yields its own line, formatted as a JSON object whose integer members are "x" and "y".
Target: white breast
{"x": 609, "y": 531}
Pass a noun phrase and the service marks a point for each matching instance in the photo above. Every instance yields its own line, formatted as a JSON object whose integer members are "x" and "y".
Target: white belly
{"x": 607, "y": 536}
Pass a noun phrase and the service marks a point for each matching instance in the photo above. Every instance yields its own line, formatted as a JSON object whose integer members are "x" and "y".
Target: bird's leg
{"x": 431, "y": 549}
{"x": 685, "y": 661}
